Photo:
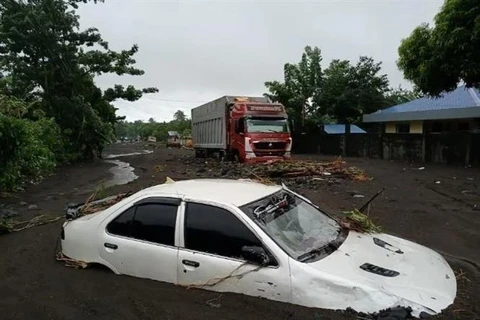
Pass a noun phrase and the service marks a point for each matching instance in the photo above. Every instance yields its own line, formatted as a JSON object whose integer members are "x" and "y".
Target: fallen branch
{"x": 214, "y": 305}
{"x": 461, "y": 276}
{"x": 8, "y": 225}
{"x": 260, "y": 179}
{"x": 214, "y": 281}
{"x": 72, "y": 263}
{"x": 357, "y": 221}
{"x": 74, "y": 211}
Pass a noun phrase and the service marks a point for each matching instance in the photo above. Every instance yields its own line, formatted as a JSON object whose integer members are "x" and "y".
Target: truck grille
{"x": 269, "y": 153}
{"x": 270, "y": 145}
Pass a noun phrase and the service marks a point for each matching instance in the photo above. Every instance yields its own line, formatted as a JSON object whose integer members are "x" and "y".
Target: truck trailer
{"x": 244, "y": 129}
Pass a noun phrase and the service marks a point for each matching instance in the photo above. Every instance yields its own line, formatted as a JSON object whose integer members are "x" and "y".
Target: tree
{"x": 48, "y": 58}
{"x": 157, "y": 129}
{"x": 301, "y": 89}
{"x": 437, "y": 59}
{"x": 179, "y": 115}
{"x": 349, "y": 91}
{"x": 396, "y": 96}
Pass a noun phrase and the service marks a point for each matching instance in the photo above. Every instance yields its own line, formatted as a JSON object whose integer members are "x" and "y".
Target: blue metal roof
{"x": 340, "y": 129}
{"x": 462, "y": 102}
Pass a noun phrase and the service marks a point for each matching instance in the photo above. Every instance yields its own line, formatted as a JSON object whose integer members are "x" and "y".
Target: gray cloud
{"x": 195, "y": 51}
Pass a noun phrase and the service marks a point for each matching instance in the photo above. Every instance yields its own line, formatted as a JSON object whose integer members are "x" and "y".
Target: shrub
{"x": 28, "y": 149}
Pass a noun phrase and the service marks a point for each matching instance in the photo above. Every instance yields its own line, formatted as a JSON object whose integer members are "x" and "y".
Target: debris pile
{"x": 301, "y": 173}
{"x": 294, "y": 169}
{"x": 395, "y": 313}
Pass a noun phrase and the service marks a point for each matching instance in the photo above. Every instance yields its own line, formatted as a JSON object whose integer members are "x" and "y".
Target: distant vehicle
{"x": 151, "y": 139}
{"x": 173, "y": 139}
{"x": 248, "y": 129}
{"x": 267, "y": 241}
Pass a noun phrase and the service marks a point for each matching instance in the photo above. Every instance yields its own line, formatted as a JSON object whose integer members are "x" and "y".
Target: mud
{"x": 443, "y": 216}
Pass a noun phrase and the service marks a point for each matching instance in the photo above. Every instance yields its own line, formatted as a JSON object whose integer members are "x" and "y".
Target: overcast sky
{"x": 195, "y": 51}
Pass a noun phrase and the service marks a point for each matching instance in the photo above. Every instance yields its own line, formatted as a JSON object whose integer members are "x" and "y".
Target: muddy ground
{"x": 437, "y": 207}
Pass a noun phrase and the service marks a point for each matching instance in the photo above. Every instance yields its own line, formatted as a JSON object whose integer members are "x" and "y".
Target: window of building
{"x": 441, "y": 126}
{"x": 217, "y": 231}
{"x": 153, "y": 222}
{"x": 402, "y": 128}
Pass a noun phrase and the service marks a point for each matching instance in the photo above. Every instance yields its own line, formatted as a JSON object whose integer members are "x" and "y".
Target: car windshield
{"x": 267, "y": 125}
{"x": 297, "y": 226}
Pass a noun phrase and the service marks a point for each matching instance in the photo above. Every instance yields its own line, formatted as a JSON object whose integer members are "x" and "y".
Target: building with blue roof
{"x": 443, "y": 129}
{"x": 458, "y": 110}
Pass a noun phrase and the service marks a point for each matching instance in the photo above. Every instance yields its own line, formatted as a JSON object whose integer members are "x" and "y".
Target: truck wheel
{"x": 236, "y": 157}
{"x": 229, "y": 156}
{"x": 223, "y": 156}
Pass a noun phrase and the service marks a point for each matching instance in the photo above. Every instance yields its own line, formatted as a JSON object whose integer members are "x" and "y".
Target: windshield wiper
{"x": 326, "y": 249}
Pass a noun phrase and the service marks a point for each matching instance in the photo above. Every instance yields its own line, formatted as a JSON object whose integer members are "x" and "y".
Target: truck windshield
{"x": 298, "y": 227}
{"x": 267, "y": 125}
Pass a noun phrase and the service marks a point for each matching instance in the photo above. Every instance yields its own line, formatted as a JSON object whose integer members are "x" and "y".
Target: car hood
{"x": 393, "y": 266}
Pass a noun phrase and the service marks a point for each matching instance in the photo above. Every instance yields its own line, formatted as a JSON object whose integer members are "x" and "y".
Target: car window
{"x": 121, "y": 225}
{"x": 215, "y": 230}
{"x": 155, "y": 222}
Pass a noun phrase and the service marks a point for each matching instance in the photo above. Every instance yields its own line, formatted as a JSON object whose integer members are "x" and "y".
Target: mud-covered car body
{"x": 268, "y": 241}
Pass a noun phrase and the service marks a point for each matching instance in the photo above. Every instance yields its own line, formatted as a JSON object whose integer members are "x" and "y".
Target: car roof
{"x": 228, "y": 191}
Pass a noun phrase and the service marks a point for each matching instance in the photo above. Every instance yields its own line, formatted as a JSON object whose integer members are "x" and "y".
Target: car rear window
{"x": 155, "y": 223}
{"x": 122, "y": 225}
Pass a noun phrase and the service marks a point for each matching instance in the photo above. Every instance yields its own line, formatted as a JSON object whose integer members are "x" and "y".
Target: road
{"x": 436, "y": 206}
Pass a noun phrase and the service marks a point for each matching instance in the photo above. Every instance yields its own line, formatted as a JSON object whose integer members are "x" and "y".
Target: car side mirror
{"x": 255, "y": 254}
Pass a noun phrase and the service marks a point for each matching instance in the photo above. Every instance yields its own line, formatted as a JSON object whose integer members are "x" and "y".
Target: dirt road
{"x": 438, "y": 207}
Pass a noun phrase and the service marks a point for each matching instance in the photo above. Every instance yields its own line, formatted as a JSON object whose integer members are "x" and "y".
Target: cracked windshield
{"x": 294, "y": 224}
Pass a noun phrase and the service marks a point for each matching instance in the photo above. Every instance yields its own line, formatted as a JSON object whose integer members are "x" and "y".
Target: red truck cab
{"x": 258, "y": 132}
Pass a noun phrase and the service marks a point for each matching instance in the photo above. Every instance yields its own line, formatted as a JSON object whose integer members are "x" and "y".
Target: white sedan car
{"x": 268, "y": 241}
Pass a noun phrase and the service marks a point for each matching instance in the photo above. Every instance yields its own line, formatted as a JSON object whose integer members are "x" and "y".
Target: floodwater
{"x": 112, "y": 156}
{"x": 122, "y": 173}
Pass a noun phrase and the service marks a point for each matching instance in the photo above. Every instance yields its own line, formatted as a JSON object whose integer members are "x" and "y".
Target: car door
{"x": 140, "y": 241}
{"x": 210, "y": 256}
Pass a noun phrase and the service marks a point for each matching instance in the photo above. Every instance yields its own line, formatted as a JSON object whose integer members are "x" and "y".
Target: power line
{"x": 173, "y": 100}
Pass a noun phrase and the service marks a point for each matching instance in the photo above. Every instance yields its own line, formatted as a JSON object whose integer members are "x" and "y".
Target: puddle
{"x": 122, "y": 173}
{"x": 112, "y": 156}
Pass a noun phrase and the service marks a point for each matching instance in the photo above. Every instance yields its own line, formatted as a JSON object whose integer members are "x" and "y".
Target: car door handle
{"x": 110, "y": 246}
{"x": 191, "y": 263}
